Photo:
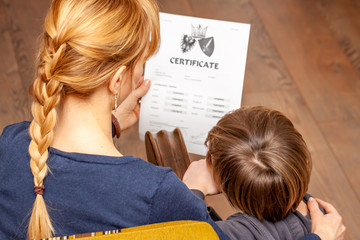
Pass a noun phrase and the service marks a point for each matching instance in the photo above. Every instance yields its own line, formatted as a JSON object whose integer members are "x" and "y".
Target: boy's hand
{"x": 198, "y": 176}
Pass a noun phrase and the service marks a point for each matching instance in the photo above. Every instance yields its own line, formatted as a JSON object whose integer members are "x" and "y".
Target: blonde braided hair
{"x": 84, "y": 43}
{"x": 47, "y": 92}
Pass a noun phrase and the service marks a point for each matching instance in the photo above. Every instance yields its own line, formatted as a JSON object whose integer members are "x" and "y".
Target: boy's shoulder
{"x": 245, "y": 226}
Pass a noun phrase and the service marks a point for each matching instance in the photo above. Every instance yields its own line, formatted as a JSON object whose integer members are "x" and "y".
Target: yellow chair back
{"x": 176, "y": 230}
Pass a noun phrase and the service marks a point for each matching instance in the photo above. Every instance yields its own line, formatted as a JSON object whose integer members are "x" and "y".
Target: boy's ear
{"x": 115, "y": 81}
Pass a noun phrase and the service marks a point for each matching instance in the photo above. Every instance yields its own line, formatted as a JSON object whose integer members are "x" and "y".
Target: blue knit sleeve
{"x": 310, "y": 236}
{"x": 174, "y": 201}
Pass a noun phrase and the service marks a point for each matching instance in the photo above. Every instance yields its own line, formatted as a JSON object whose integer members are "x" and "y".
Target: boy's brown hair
{"x": 260, "y": 161}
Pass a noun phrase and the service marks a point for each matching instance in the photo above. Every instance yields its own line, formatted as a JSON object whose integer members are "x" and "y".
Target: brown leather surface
{"x": 167, "y": 149}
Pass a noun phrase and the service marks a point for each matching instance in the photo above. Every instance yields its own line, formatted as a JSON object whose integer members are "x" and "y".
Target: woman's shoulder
{"x": 146, "y": 169}
{"x": 127, "y": 162}
{"x": 15, "y": 135}
{"x": 15, "y": 129}
{"x": 131, "y": 171}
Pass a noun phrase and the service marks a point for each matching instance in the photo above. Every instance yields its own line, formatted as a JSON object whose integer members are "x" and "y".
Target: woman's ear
{"x": 115, "y": 82}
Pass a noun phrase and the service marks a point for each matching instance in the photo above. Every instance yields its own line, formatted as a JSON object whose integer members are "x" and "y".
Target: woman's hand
{"x": 128, "y": 111}
{"x": 198, "y": 176}
{"x": 328, "y": 226}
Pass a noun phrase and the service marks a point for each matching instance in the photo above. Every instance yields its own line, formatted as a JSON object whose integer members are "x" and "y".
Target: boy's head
{"x": 260, "y": 161}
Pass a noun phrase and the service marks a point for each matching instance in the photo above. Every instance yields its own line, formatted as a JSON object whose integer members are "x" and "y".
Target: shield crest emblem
{"x": 207, "y": 45}
{"x": 187, "y": 43}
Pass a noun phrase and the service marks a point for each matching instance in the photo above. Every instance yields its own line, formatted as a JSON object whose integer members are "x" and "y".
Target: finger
{"x": 137, "y": 111}
{"x": 343, "y": 230}
{"x": 142, "y": 89}
{"x": 327, "y": 206}
{"x": 314, "y": 208}
{"x": 139, "y": 82}
{"x": 132, "y": 100}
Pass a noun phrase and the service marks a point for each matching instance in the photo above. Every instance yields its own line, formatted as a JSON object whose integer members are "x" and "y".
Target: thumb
{"x": 314, "y": 209}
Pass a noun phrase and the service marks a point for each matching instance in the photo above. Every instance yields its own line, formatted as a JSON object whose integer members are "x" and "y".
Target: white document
{"x": 197, "y": 77}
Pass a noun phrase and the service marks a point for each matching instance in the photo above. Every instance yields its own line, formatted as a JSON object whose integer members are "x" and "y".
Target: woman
{"x": 61, "y": 174}
{"x": 91, "y": 57}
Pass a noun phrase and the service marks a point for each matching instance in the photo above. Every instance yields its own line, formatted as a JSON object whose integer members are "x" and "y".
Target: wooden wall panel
{"x": 176, "y": 7}
{"x": 25, "y": 25}
{"x": 13, "y": 98}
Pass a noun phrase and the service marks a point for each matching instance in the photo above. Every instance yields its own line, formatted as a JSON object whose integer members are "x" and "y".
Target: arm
{"x": 198, "y": 176}
{"x": 174, "y": 201}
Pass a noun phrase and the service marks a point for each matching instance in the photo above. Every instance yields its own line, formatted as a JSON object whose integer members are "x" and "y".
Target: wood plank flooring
{"x": 303, "y": 59}
{"x": 329, "y": 84}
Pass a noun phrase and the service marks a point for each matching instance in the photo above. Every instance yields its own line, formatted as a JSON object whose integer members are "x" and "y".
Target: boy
{"x": 262, "y": 164}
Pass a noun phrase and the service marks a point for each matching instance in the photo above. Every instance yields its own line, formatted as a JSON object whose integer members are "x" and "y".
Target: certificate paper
{"x": 197, "y": 77}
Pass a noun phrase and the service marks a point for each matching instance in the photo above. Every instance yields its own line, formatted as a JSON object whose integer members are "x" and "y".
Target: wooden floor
{"x": 303, "y": 59}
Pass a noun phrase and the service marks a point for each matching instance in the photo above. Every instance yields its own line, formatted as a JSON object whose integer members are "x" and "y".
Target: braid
{"x": 47, "y": 94}
{"x": 84, "y": 44}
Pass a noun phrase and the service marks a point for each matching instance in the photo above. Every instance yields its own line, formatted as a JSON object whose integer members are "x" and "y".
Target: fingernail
{"x": 147, "y": 82}
{"x": 311, "y": 199}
